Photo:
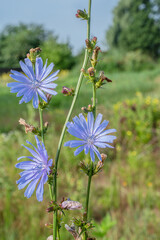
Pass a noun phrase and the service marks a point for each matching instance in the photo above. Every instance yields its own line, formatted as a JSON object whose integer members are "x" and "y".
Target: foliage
{"x": 136, "y": 26}
{"x": 15, "y": 42}
{"x": 58, "y": 53}
{"x": 115, "y": 61}
{"x": 138, "y": 121}
{"x": 102, "y": 228}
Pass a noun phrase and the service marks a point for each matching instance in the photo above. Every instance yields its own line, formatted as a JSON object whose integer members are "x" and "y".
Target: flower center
{"x": 35, "y": 83}
{"x": 90, "y": 140}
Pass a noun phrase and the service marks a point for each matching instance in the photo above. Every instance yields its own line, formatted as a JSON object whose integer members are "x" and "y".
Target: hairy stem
{"x": 67, "y": 119}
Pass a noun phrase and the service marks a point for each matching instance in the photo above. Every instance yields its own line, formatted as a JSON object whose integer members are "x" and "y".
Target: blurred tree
{"x": 15, "y": 42}
{"x": 136, "y": 25}
{"x": 58, "y": 53}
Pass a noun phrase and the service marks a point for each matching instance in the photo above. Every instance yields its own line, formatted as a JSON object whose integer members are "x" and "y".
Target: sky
{"x": 59, "y": 17}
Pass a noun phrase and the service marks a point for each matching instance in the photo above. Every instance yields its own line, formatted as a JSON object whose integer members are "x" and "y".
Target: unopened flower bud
{"x": 90, "y": 107}
{"x": 84, "y": 109}
{"x": 28, "y": 55}
{"x": 91, "y": 71}
{"x": 81, "y": 14}
{"x": 49, "y": 97}
{"x": 68, "y": 91}
{"x": 46, "y": 124}
{"x": 103, "y": 156}
{"x": 95, "y": 56}
{"x": 71, "y": 205}
{"x": 50, "y": 209}
{"x": 94, "y": 40}
{"x": 47, "y": 224}
{"x": 83, "y": 70}
{"x": 88, "y": 44}
{"x": 33, "y": 53}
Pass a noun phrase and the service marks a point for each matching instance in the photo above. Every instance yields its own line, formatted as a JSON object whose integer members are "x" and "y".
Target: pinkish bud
{"x": 81, "y": 14}
{"x": 103, "y": 156}
{"x": 94, "y": 39}
{"x": 95, "y": 56}
{"x": 68, "y": 91}
{"x": 90, "y": 107}
{"x": 88, "y": 44}
{"x": 49, "y": 97}
{"x": 50, "y": 209}
{"x": 91, "y": 71}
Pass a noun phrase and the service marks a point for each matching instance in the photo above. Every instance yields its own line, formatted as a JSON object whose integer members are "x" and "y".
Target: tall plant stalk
{"x": 54, "y": 190}
{"x": 91, "y": 163}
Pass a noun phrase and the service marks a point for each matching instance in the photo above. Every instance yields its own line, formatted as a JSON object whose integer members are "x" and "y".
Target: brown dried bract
{"x": 28, "y": 127}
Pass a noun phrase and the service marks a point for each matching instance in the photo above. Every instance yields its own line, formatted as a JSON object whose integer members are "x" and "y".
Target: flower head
{"x": 32, "y": 85}
{"x": 92, "y": 135}
{"x": 35, "y": 170}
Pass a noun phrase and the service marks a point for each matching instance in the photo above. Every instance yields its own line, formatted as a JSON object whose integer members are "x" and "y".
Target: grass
{"x": 128, "y": 187}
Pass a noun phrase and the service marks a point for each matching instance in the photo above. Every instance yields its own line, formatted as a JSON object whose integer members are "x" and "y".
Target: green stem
{"x": 88, "y": 189}
{"x": 94, "y": 100}
{"x": 67, "y": 119}
{"x": 41, "y": 123}
{"x": 91, "y": 164}
{"x": 42, "y": 135}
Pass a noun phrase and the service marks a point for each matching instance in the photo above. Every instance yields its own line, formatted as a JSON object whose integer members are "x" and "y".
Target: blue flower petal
{"x": 25, "y": 165}
{"x": 48, "y": 71}
{"x": 31, "y": 187}
{"x": 92, "y": 155}
{"x": 35, "y": 101}
{"x": 40, "y": 188}
{"x": 78, "y": 150}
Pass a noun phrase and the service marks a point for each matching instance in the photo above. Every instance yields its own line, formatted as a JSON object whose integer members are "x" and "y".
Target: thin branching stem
{"x": 67, "y": 119}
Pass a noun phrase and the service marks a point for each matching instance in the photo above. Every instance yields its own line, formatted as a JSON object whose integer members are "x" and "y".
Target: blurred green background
{"x": 125, "y": 197}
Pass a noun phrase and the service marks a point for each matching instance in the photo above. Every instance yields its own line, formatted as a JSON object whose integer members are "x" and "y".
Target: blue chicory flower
{"x": 35, "y": 171}
{"x": 92, "y": 135}
{"x": 32, "y": 85}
